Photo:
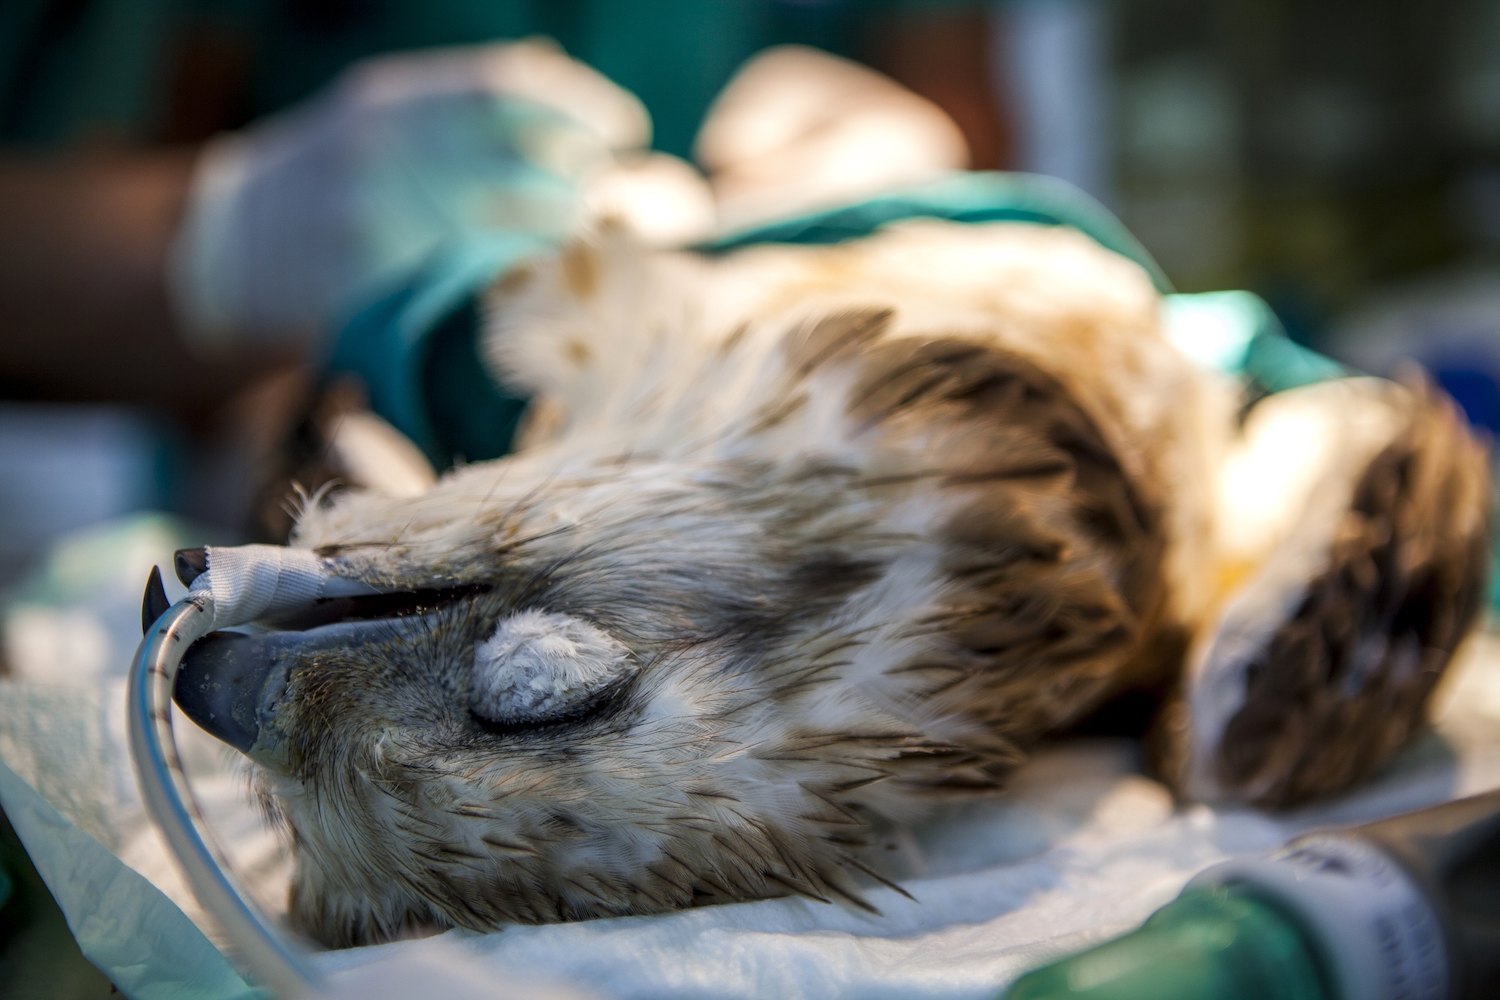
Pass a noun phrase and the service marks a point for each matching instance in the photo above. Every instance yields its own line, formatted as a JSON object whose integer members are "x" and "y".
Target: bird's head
{"x": 525, "y": 697}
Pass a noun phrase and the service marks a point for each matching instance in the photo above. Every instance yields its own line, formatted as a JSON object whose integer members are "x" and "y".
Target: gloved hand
{"x": 798, "y": 129}
{"x": 293, "y": 219}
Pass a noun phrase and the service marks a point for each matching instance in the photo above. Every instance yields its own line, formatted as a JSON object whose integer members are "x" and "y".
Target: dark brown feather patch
{"x": 1344, "y": 683}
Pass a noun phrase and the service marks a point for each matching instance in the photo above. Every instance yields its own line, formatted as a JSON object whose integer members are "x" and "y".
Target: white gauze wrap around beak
{"x": 251, "y": 582}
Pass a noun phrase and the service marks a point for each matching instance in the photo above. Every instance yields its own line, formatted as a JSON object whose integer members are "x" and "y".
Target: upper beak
{"x": 231, "y": 684}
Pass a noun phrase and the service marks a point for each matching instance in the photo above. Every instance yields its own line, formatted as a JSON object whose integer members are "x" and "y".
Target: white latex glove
{"x": 798, "y": 129}
{"x": 290, "y": 220}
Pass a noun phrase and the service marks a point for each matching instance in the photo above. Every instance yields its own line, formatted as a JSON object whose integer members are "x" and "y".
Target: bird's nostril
{"x": 190, "y": 564}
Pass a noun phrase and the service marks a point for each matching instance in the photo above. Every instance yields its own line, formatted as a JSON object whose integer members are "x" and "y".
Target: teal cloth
{"x": 1237, "y": 332}
{"x": 416, "y": 348}
{"x": 971, "y": 197}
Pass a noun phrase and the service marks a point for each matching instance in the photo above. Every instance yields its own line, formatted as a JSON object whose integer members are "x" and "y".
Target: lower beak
{"x": 220, "y": 684}
{"x": 231, "y": 684}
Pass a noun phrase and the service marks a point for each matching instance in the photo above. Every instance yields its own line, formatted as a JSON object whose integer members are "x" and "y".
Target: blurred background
{"x": 1339, "y": 157}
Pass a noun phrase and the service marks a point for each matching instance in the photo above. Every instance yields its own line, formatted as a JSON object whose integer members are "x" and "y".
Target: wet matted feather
{"x": 804, "y": 540}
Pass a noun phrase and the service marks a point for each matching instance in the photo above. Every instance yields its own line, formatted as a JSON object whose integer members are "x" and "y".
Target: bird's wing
{"x": 1355, "y": 516}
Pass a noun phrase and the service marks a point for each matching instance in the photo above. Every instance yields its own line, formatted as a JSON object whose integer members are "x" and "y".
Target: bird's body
{"x": 802, "y": 539}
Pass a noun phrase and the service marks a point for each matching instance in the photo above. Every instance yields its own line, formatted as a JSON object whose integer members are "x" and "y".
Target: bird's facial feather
{"x": 623, "y": 716}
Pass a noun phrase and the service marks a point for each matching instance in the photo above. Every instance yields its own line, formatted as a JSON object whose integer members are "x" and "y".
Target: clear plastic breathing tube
{"x": 276, "y": 962}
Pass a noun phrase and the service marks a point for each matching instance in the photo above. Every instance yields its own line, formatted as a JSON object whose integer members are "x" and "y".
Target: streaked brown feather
{"x": 1345, "y": 682}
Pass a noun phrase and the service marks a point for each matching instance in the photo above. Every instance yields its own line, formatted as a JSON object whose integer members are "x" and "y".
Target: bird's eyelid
{"x": 539, "y": 666}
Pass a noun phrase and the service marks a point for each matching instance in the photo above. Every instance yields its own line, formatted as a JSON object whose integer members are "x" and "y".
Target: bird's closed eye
{"x": 540, "y": 668}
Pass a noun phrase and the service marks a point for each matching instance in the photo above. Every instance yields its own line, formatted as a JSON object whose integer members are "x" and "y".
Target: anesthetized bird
{"x": 803, "y": 540}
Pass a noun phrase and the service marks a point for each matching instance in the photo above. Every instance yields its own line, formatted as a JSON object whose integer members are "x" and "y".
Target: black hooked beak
{"x": 189, "y": 564}
{"x": 220, "y": 680}
{"x": 155, "y": 603}
{"x": 230, "y": 683}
